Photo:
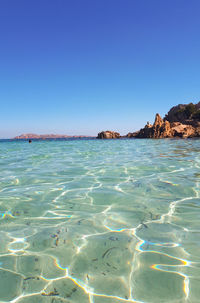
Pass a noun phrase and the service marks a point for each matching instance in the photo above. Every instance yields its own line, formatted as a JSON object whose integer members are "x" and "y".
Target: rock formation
{"x": 131, "y": 135}
{"x": 182, "y": 121}
{"x": 108, "y": 135}
{"x": 164, "y": 129}
{"x": 184, "y": 113}
{"x": 160, "y": 129}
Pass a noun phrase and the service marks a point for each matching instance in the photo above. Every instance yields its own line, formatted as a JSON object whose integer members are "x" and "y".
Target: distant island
{"x": 47, "y": 136}
{"x": 182, "y": 121}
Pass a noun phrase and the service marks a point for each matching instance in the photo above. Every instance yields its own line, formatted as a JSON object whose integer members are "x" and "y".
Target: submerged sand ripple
{"x": 97, "y": 221}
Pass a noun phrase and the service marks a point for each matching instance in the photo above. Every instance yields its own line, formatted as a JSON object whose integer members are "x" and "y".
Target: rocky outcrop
{"x": 131, "y": 135}
{"x": 108, "y": 135}
{"x": 160, "y": 129}
{"x": 184, "y": 113}
{"x": 164, "y": 129}
{"x": 185, "y": 130}
{"x": 182, "y": 121}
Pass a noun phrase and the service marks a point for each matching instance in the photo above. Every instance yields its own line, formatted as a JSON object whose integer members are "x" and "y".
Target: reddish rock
{"x": 108, "y": 135}
{"x": 160, "y": 129}
{"x": 131, "y": 135}
{"x": 183, "y": 130}
{"x": 165, "y": 129}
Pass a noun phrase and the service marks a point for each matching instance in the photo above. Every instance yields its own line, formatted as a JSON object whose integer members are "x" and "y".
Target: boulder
{"x": 108, "y": 135}
{"x": 183, "y": 130}
{"x": 132, "y": 135}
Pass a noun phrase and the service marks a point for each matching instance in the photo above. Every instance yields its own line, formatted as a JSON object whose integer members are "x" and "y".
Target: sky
{"x": 78, "y": 67}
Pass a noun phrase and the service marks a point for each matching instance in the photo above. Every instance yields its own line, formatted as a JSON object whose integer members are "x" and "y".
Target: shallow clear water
{"x": 100, "y": 221}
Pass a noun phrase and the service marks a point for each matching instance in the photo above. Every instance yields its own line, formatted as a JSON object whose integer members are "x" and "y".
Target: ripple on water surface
{"x": 100, "y": 221}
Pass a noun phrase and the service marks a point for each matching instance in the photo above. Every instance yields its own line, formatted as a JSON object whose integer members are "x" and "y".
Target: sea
{"x": 100, "y": 221}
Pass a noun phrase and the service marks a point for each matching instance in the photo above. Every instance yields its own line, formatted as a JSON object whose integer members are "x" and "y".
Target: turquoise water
{"x": 100, "y": 221}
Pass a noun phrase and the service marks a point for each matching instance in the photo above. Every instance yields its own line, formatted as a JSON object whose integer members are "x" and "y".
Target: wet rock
{"x": 108, "y": 135}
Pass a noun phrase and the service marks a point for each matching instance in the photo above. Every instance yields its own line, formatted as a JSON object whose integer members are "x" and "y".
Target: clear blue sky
{"x": 82, "y": 66}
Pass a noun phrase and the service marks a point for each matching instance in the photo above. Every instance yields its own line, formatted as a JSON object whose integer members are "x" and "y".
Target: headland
{"x": 182, "y": 121}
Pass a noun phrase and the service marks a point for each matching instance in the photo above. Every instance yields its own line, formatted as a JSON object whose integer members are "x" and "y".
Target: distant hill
{"x": 47, "y": 136}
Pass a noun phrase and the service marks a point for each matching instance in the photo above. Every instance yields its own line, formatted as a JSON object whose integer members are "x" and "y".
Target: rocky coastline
{"x": 182, "y": 121}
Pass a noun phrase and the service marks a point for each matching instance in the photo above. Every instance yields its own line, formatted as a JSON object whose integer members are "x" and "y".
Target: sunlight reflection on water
{"x": 100, "y": 221}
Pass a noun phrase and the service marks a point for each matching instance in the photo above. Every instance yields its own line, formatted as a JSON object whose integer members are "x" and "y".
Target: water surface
{"x": 100, "y": 221}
